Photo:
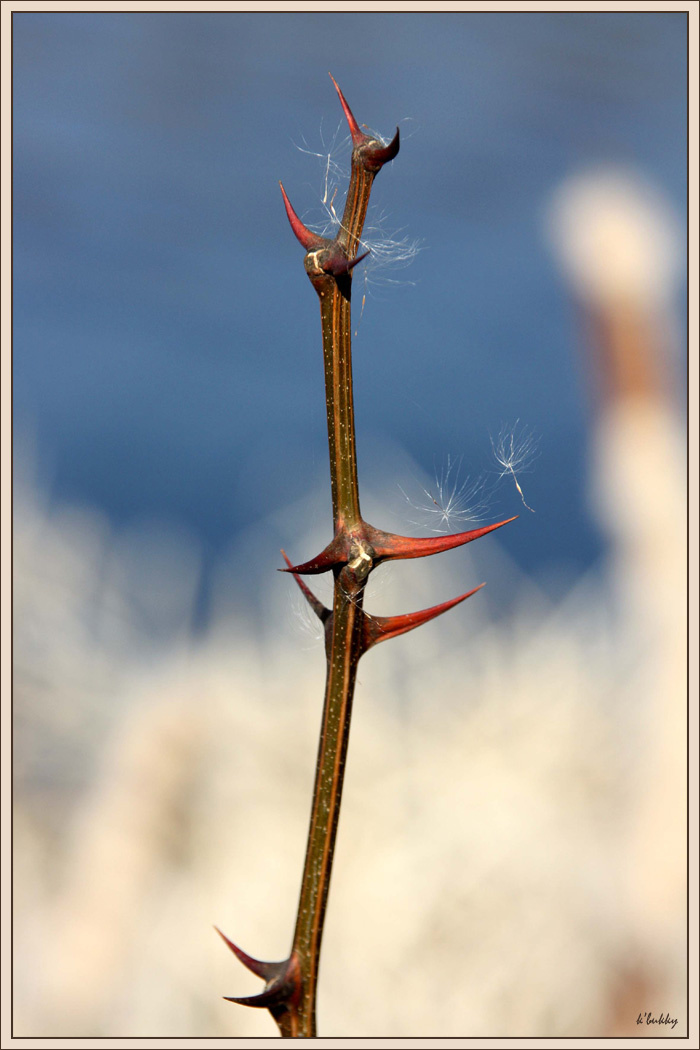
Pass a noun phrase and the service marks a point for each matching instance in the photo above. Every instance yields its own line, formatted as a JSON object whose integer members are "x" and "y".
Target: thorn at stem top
{"x": 375, "y": 155}
{"x": 358, "y": 136}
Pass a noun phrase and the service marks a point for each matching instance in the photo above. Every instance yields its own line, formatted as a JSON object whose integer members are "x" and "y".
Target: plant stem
{"x": 345, "y": 644}
{"x": 343, "y": 656}
{"x": 355, "y": 210}
{"x": 335, "y": 324}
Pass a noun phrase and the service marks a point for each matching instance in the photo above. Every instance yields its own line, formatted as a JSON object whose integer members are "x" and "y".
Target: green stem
{"x": 337, "y": 361}
{"x": 330, "y": 767}
{"x": 355, "y": 210}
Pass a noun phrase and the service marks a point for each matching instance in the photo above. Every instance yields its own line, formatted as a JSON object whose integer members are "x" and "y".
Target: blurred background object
{"x": 511, "y": 855}
{"x": 623, "y": 251}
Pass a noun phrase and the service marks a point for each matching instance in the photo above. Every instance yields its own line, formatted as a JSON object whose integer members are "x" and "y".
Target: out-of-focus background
{"x": 511, "y": 856}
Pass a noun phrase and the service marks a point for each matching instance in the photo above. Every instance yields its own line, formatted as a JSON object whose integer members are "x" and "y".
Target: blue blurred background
{"x": 167, "y": 360}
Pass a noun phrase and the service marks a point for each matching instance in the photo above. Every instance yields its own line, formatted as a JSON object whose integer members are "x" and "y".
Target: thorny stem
{"x": 355, "y": 550}
{"x": 346, "y": 637}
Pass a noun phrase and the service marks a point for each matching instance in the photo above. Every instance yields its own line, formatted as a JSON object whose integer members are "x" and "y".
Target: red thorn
{"x": 374, "y": 157}
{"x": 307, "y": 238}
{"x": 282, "y": 985}
{"x": 318, "y": 607}
{"x": 267, "y": 970}
{"x": 335, "y": 554}
{"x": 388, "y": 546}
{"x": 377, "y": 629}
{"x": 358, "y": 136}
{"x": 357, "y": 259}
{"x": 377, "y": 156}
{"x": 268, "y": 997}
{"x": 337, "y": 264}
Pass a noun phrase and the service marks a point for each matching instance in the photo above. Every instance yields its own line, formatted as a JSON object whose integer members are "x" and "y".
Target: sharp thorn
{"x": 318, "y": 607}
{"x": 281, "y": 992}
{"x": 336, "y": 262}
{"x": 358, "y": 136}
{"x": 388, "y": 546}
{"x": 307, "y": 238}
{"x": 267, "y": 970}
{"x": 268, "y": 997}
{"x": 380, "y": 628}
{"x": 331, "y": 556}
{"x": 358, "y": 259}
{"x": 377, "y": 156}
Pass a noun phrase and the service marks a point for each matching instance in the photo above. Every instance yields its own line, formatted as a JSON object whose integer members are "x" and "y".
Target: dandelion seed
{"x": 331, "y": 206}
{"x": 303, "y": 619}
{"x": 515, "y": 452}
{"x": 452, "y": 500}
{"x": 332, "y": 169}
{"x": 388, "y": 250}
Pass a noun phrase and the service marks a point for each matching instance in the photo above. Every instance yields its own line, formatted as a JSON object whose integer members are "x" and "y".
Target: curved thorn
{"x": 318, "y": 607}
{"x": 377, "y": 629}
{"x": 358, "y": 136}
{"x": 333, "y": 555}
{"x": 307, "y": 238}
{"x": 267, "y": 970}
{"x": 268, "y": 997}
{"x": 281, "y": 1008}
{"x": 380, "y": 155}
{"x": 388, "y": 546}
